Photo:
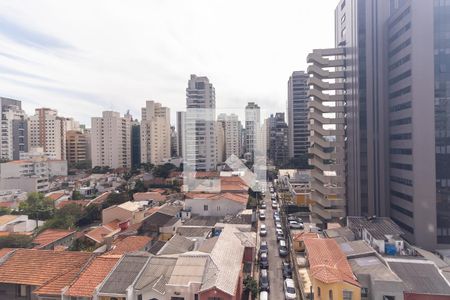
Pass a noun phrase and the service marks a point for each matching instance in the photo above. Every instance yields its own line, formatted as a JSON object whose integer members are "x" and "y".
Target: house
{"x": 50, "y": 239}
{"x": 130, "y": 244}
{"x": 163, "y": 221}
{"x": 329, "y": 271}
{"x": 118, "y": 284}
{"x": 220, "y": 204}
{"x": 379, "y": 232}
{"x": 153, "y": 196}
{"x": 18, "y": 224}
{"x": 84, "y": 285}
{"x": 177, "y": 245}
{"x": 33, "y": 274}
{"x": 98, "y": 234}
{"x": 299, "y": 238}
{"x": 128, "y": 211}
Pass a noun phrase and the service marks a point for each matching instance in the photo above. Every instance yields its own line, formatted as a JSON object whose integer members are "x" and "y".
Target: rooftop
{"x": 97, "y": 270}
{"x": 177, "y": 244}
{"x": 130, "y": 244}
{"x": 5, "y": 219}
{"x": 194, "y": 231}
{"x": 193, "y": 267}
{"x": 236, "y": 197}
{"x": 156, "y": 196}
{"x": 50, "y": 236}
{"x": 378, "y": 227}
{"x": 156, "y": 274}
{"x": 356, "y": 248}
{"x": 327, "y": 262}
{"x": 371, "y": 265}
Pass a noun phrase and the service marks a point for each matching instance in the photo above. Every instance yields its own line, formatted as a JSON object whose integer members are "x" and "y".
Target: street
{"x": 275, "y": 273}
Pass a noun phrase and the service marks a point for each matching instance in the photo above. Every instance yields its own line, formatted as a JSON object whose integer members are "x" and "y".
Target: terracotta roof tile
{"x": 36, "y": 267}
{"x": 327, "y": 261}
{"x": 55, "y": 196}
{"x": 50, "y": 236}
{"x": 81, "y": 203}
{"x": 305, "y": 235}
{"x": 130, "y": 244}
{"x": 7, "y": 218}
{"x": 85, "y": 284}
{"x": 149, "y": 196}
{"x": 5, "y": 251}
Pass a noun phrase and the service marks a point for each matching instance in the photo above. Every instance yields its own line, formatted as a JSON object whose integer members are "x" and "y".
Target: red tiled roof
{"x": 149, "y": 195}
{"x": 50, "y": 236}
{"x": 5, "y": 251}
{"x": 130, "y": 244}
{"x": 92, "y": 276}
{"x": 100, "y": 199}
{"x": 55, "y": 196}
{"x": 98, "y": 234}
{"x": 36, "y": 267}
{"x": 236, "y": 197}
{"x": 81, "y": 203}
{"x": 327, "y": 262}
{"x": 305, "y": 235}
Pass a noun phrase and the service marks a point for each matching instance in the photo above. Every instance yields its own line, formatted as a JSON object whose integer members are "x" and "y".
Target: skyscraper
{"x": 231, "y": 125}
{"x": 135, "y": 144}
{"x": 297, "y": 114}
{"x": 200, "y": 125}
{"x": 14, "y": 129}
{"x": 174, "y": 142}
{"x": 252, "y": 127}
{"x": 77, "y": 147}
{"x": 155, "y": 133}
{"x": 111, "y": 140}
{"x": 277, "y": 139}
{"x": 181, "y": 132}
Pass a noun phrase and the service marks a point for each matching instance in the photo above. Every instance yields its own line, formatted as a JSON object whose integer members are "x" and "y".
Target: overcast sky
{"x": 83, "y": 57}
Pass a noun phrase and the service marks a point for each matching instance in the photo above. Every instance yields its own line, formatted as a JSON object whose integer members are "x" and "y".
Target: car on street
{"x": 278, "y": 225}
{"x": 263, "y": 247}
{"x": 282, "y": 249}
{"x": 263, "y": 230}
{"x": 264, "y": 261}
{"x": 295, "y": 225}
{"x": 263, "y": 205}
{"x": 276, "y": 213}
{"x": 264, "y": 284}
{"x": 289, "y": 289}
{"x": 262, "y": 214}
{"x": 274, "y": 205}
{"x": 279, "y": 233}
{"x": 286, "y": 269}
{"x": 264, "y": 295}
{"x": 277, "y": 218}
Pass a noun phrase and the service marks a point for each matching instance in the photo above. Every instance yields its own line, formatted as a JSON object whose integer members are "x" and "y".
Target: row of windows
{"x": 401, "y": 195}
{"x": 399, "y": 122}
{"x": 401, "y": 106}
{"x": 401, "y": 166}
{"x": 400, "y": 32}
{"x": 401, "y": 151}
{"x": 402, "y": 210}
{"x": 403, "y": 225}
{"x": 400, "y": 92}
{"x": 401, "y": 180}
{"x": 400, "y": 77}
{"x": 400, "y": 47}
{"x": 400, "y": 17}
{"x": 400, "y": 62}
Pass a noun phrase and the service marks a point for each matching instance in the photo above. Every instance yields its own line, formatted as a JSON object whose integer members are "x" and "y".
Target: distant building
{"x": 277, "y": 139}
{"x": 216, "y": 204}
{"x": 77, "y": 147}
{"x": 14, "y": 129}
{"x": 135, "y": 144}
{"x": 111, "y": 140}
{"x": 232, "y": 127}
{"x": 252, "y": 127}
{"x": 181, "y": 132}
{"x": 174, "y": 142}
{"x": 155, "y": 133}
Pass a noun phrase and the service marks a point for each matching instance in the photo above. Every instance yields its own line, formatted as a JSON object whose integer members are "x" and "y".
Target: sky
{"x": 83, "y": 57}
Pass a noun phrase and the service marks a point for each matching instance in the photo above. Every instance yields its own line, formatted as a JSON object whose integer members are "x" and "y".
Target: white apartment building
{"x": 14, "y": 133}
{"x": 252, "y": 127}
{"x": 155, "y": 133}
{"x": 111, "y": 140}
{"x": 231, "y": 125}
{"x": 47, "y": 130}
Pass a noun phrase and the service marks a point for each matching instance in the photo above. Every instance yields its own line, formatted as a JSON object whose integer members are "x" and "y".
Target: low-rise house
{"x": 33, "y": 274}
{"x": 155, "y": 197}
{"x": 128, "y": 211}
{"x": 130, "y": 244}
{"x": 177, "y": 245}
{"x": 100, "y": 233}
{"x": 164, "y": 220}
{"x": 221, "y": 204}
{"x": 330, "y": 273}
{"x": 298, "y": 240}
{"x": 50, "y": 239}
{"x": 18, "y": 224}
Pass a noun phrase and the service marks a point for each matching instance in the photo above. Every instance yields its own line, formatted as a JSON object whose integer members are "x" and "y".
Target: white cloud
{"x": 124, "y": 52}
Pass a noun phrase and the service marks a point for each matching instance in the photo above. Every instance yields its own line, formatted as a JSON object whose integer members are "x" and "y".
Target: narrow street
{"x": 275, "y": 273}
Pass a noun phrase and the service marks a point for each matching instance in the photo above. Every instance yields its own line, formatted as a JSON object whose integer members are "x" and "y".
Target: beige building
{"x": 155, "y": 133}
{"x": 128, "y": 211}
{"x": 77, "y": 146}
{"x": 47, "y": 130}
{"x": 111, "y": 140}
{"x": 231, "y": 125}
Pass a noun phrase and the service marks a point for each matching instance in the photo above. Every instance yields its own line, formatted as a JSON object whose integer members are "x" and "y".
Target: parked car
{"x": 263, "y": 205}
{"x": 289, "y": 289}
{"x": 264, "y": 261}
{"x": 264, "y": 295}
{"x": 295, "y": 225}
{"x": 279, "y": 233}
{"x": 292, "y": 218}
{"x": 274, "y": 205}
{"x": 287, "y": 270}
{"x": 278, "y": 225}
{"x": 262, "y": 214}
{"x": 276, "y": 213}
{"x": 264, "y": 284}
{"x": 277, "y": 218}
{"x": 263, "y": 230}
{"x": 282, "y": 249}
{"x": 263, "y": 247}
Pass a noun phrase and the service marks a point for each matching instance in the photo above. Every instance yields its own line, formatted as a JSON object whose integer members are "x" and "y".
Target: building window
{"x": 364, "y": 292}
{"x": 388, "y": 297}
{"x": 318, "y": 291}
{"x": 330, "y": 295}
{"x": 22, "y": 290}
{"x": 205, "y": 207}
{"x": 347, "y": 295}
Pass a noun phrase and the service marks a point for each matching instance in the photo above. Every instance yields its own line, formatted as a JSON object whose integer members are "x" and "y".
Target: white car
{"x": 289, "y": 289}
{"x": 263, "y": 230}
{"x": 262, "y": 214}
{"x": 274, "y": 205}
{"x": 295, "y": 225}
{"x": 278, "y": 226}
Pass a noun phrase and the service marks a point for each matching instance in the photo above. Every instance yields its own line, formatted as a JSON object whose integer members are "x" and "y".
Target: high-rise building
{"x": 200, "y": 125}
{"x": 181, "y": 132}
{"x": 14, "y": 129}
{"x": 174, "y": 142}
{"x": 231, "y": 125}
{"x": 252, "y": 127}
{"x": 48, "y": 130}
{"x": 155, "y": 133}
{"x": 297, "y": 114}
{"x": 135, "y": 144}
{"x": 77, "y": 147}
{"x": 111, "y": 140}
{"x": 277, "y": 139}
{"x": 220, "y": 138}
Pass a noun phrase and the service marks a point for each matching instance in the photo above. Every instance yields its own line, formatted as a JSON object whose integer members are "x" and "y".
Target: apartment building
{"x": 76, "y": 147}
{"x": 14, "y": 130}
{"x": 155, "y": 133}
{"x": 231, "y": 125}
{"x": 252, "y": 127}
{"x": 277, "y": 139}
{"x": 111, "y": 140}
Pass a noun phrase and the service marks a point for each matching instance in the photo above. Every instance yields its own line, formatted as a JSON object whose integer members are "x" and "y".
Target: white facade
{"x": 155, "y": 133}
{"x": 232, "y": 126}
{"x": 12, "y": 136}
{"x": 214, "y": 207}
{"x": 252, "y": 127}
{"x": 111, "y": 140}
{"x": 47, "y": 130}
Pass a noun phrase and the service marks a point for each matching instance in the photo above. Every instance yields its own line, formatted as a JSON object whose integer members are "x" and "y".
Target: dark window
{"x": 401, "y": 166}
{"x": 400, "y": 77}
{"x": 401, "y": 106}
{"x": 388, "y": 297}
{"x": 399, "y": 122}
{"x": 401, "y": 136}
{"x": 401, "y": 195}
{"x": 347, "y": 295}
{"x": 401, "y": 151}
{"x": 402, "y": 210}
{"x": 400, "y": 180}
{"x": 205, "y": 207}
{"x": 399, "y": 93}
{"x": 330, "y": 295}
{"x": 400, "y": 47}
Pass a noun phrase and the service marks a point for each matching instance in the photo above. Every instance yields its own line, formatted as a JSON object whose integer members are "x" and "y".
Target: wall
{"x": 216, "y": 293}
{"x": 337, "y": 289}
{"x": 219, "y": 208}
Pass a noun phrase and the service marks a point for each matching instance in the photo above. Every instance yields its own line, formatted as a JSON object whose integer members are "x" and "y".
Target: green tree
{"x": 91, "y": 214}
{"x": 251, "y": 286}
{"x": 4, "y": 211}
{"x": 16, "y": 241}
{"x": 139, "y": 187}
{"x": 147, "y": 167}
{"x": 163, "y": 171}
{"x": 116, "y": 199}
{"x": 66, "y": 217}
{"x": 37, "y": 206}
{"x": 76, "y": 195}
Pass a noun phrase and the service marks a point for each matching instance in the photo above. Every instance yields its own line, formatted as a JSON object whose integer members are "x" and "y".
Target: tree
{"x": 16, "y": 241}
{"x": 251, "y": 286}
{"x": 37, "y": 206}
{"x": 4, "y": 211}
{"x": 76, "y": 195}
{"x": 115, "y": 199}
{"x": 163, "y": 171}
{"x": 147, "y": 166}
{"x": 91, "y": 213}
{"x": 139, "y": 187}
{"x": 66, "y": 217}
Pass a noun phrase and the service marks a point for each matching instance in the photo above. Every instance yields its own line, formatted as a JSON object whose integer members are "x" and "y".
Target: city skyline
{"x": 49, "y": 61}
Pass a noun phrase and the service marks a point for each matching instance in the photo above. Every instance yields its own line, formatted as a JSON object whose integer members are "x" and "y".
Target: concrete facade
{"x": 14, "y": 129}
